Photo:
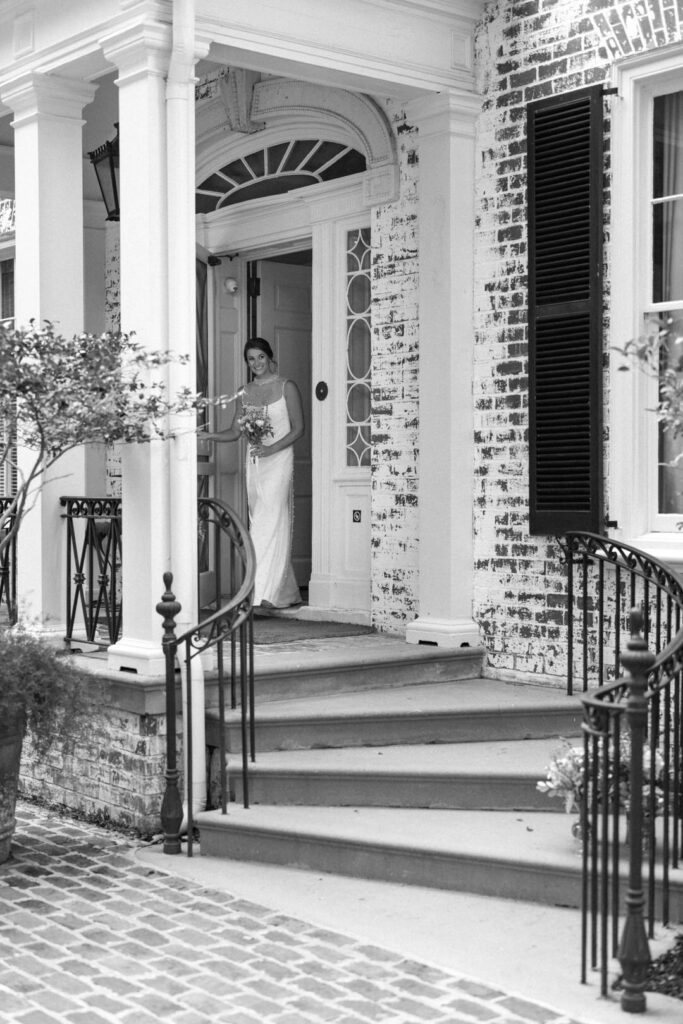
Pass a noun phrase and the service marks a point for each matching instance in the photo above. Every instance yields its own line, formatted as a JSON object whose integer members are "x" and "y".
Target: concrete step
{"x": 312, "y": 668}
{"x": 467, "y": 776}
{"x": 510, "y": 854}
{"x": 461, "y": 711}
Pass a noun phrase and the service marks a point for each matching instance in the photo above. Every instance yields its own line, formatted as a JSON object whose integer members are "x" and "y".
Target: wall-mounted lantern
{"x": 105, "y": 160}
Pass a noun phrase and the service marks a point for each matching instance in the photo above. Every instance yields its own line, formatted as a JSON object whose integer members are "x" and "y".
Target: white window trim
{"x": 633, "y": 481}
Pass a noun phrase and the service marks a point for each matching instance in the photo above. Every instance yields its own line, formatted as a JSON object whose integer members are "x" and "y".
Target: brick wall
{"x": 526, "y": 50}
{"x": 117, "y": 768}
{"x": 394, "y": 518}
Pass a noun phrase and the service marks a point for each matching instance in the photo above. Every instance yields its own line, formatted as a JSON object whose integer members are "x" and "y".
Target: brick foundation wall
{"x": 526, "y": 50}
{"x": 395, "y": 417}
{"x": 117, "y": 769}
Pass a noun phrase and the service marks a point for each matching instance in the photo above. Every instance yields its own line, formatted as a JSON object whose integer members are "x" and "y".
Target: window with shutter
{"x": 565, "y": 144}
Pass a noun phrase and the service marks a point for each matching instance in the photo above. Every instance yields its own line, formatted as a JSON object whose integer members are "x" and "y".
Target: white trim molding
{"x": 632, "y": 456}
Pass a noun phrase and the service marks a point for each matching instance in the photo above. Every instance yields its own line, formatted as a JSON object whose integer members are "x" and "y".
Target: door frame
{"x": 314, "y": 218}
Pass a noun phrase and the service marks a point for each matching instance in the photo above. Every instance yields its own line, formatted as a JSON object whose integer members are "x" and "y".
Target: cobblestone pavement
{"x": 89, "y": 935}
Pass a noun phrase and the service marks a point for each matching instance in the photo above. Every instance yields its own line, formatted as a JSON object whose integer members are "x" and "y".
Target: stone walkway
{"x": 89, "y": 935}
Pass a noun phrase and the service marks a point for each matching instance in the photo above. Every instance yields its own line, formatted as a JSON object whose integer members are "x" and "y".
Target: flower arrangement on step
{"x": 255, "y": 424}
{"x": 565, "y": 775}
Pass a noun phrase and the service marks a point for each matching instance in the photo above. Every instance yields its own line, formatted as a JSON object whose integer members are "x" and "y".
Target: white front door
{"x": 284, "y": 320}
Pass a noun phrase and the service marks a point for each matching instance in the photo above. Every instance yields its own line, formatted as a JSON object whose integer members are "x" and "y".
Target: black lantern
{"x": 105, "y": 160}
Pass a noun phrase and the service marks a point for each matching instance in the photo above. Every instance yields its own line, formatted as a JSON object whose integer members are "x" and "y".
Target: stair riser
{"x": 549, "y": 885}
{"x": 390, "y": 791}
{"x": 354, "y": 678}
{"x": 390, "y": 730}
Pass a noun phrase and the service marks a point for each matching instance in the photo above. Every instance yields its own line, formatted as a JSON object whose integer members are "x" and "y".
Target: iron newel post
{"x": 634, "y": 951}
{"x": 171, "y": 805}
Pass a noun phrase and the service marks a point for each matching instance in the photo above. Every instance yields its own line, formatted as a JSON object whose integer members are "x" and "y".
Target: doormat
{"x": 275, "y": 630}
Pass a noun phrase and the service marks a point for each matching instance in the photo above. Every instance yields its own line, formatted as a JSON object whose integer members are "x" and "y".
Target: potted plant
{"x": 43, "y": 696}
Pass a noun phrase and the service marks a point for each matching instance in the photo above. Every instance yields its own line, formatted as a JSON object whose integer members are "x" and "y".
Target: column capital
{"x": 35, "y": 94}
{"x": 139, "y": 50}
{"x": 445, "y": 113}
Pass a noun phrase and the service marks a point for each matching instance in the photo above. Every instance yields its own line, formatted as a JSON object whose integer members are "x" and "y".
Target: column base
{"x": 444, "y": 632}
{"x": 136, "y": 656}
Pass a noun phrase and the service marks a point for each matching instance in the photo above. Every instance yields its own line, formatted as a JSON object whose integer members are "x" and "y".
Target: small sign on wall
{"x": 357, "y": 516}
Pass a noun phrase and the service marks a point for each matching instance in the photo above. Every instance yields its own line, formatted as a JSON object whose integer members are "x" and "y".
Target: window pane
{"x": 298, "y": 154}
{"x": 667, "y": 218}
{"x": 359, "y": 349}
{"x": 323, "y": 154}
{"x": 670, "y": 442}
{"x": 352, "y": 162}
{"x": 237, "y": 171}
{"x": 359, "y": 294}
{"x": 358, "y": 403}
{"x": 667, "y": 251}
{"x": 668, "y": 145}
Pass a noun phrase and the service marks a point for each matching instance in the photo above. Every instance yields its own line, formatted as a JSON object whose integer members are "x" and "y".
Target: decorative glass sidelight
{"x": 358, "y": 347}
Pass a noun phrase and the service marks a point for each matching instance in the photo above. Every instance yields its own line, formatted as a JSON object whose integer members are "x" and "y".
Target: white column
{"x": 182, "y": 312}
{"x": 142, "y": 55}
{"x": 446, "y": 125}
{"x": 48, "y": 156}
{"x": 182, "y": 327}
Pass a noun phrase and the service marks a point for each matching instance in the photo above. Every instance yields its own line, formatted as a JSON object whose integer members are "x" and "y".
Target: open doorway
{"x": 279, "y": 310}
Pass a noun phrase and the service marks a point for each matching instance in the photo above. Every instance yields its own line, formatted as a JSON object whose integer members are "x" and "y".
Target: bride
{"x": 270, "y": 468}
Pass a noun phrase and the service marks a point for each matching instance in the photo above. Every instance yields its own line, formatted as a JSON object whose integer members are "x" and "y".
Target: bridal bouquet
{"x": 255, "y": 426}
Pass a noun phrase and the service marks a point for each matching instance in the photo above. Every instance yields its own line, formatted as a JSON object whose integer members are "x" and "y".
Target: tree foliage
{"x": 659, "y": 354}
{"x": 59, "y": 392}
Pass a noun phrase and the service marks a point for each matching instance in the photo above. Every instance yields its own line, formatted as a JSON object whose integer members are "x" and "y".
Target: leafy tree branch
{"x": 58, "y": 392}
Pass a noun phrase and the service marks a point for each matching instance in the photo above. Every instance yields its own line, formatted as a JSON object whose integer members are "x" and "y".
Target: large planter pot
{"x": 11, "y": 735}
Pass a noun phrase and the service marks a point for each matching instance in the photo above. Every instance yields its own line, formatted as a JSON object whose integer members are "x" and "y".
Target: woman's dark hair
{"x": 261, "y": 344}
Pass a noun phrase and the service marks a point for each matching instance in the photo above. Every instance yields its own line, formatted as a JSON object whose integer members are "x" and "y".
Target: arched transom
{"x": 275, "y": 169}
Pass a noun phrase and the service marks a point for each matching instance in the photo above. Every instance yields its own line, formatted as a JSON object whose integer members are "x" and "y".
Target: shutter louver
{"x": 565, "y": 138}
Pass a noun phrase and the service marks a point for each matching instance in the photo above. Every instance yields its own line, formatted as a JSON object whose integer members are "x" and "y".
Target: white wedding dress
{"x": 270, "y": 497}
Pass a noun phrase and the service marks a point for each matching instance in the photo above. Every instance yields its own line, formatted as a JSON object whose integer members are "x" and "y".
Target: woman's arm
{"x": 296, "y": 419}
{"x": 231, "y": 433}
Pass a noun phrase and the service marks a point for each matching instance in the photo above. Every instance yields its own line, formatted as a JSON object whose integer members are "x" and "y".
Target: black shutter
{"x": 565, "y": 154}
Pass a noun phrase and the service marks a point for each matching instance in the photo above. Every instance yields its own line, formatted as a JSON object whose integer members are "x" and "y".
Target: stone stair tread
{"x": 530, "y": 838}
{"x": 462, "y": 695}
{"x": 514, "y": 758}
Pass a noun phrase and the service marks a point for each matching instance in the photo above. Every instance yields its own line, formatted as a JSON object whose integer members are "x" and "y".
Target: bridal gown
{"x": 270, "y": 497}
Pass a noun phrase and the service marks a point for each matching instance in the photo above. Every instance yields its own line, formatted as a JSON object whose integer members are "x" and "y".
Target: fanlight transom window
{"x": 275, "y": 170}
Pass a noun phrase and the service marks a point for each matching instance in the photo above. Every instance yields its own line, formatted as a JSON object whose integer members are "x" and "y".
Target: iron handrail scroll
{"x": 631, "y": 790}
{"x": 232, "y": 622}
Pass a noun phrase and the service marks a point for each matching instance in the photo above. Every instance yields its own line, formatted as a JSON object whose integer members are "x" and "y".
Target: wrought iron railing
{"x": 632, "y": 782}
{"x": 231, "y": 623}
{"x": 605, "y": 579}
{"x": 93, "y": 570}
{"x": 8, "y": 567}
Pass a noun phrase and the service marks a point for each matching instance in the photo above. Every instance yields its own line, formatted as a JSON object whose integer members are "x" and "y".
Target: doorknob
{"x": 321, "y": 390}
